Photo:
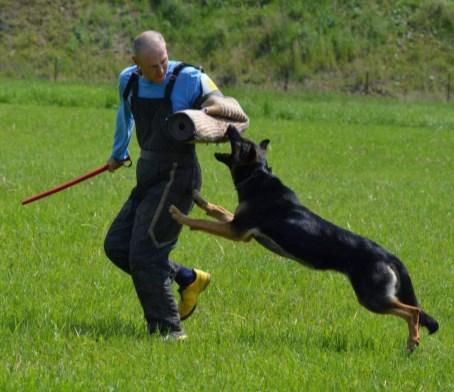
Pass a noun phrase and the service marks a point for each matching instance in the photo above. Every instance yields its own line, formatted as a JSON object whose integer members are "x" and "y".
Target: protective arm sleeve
{"x": 123, "y": 127}
{"x": 207, "y": 88}
{"x": 201, "y": 89}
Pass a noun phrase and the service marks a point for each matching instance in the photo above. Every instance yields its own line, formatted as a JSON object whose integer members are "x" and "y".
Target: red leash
{"x": 68, "y": 184}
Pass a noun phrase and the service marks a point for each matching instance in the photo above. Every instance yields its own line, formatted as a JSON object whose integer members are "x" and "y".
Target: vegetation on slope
{"x": 376, "y": 46}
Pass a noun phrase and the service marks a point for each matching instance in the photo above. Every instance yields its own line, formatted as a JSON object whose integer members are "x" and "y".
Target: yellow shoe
{"x": 190, "y": 293}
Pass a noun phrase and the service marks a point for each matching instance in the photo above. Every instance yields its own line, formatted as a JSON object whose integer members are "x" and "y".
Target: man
{"x": 143, "y": 234}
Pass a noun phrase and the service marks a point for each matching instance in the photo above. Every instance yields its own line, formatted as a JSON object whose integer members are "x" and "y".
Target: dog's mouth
{"x": 242, "y": 154}
{"x": 224, "y": 158}
{"x": 221, "y": 155}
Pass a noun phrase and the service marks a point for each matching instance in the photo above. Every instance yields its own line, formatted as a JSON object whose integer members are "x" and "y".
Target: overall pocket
{"x": 163, "y": 229}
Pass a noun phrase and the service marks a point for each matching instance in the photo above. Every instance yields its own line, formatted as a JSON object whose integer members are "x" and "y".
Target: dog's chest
{"x": 242, "y": 207}
{"x": 270, "y": 244}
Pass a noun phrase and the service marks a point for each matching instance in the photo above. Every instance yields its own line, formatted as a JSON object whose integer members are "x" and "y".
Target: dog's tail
{"x": 429, "y": 322}
{"x": 407, "y": 296}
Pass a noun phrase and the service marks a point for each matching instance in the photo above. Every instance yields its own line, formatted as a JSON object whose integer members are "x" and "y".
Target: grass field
{"x": 71, "y": 321}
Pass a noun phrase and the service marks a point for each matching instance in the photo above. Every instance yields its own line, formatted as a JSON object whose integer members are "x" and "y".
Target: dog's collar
{"x": 263, "y": 169}
{"x": 246, "y": 180}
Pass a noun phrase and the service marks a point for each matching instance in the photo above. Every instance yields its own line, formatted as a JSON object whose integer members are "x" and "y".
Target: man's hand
{"x": 114, "y": 164}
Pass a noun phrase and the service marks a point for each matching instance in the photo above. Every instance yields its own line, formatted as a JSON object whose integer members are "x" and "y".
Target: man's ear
{"x": 264, "y": 144}
{"x": 224, "y": 158}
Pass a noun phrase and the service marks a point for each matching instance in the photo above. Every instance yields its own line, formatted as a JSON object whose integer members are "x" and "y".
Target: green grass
{"x": 71, "y": 321}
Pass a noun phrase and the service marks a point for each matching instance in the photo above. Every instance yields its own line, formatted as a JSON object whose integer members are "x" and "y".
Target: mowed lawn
{"x": 69, "y": 320}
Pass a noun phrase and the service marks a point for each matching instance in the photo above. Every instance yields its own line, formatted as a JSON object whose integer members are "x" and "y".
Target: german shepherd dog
{"x": 271, "y": 213}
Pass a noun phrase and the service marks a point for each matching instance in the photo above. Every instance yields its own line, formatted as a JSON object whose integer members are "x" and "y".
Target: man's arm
{"x": 192, "y": 88}
{"x": 123, "y": 127}
{"x": 207, "y": 88}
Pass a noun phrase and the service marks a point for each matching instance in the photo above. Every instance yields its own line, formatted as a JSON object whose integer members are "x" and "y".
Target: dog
{"x": 271, "y": 213}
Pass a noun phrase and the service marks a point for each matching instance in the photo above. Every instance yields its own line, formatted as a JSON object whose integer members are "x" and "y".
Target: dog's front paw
{"x": 176, "y": 214}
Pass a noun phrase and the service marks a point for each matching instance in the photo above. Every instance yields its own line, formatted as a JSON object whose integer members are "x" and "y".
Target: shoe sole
{"x": 207, "y": 282}
{"x": 170, "y": 339}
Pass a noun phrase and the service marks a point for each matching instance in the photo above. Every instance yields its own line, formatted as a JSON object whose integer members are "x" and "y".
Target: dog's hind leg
{"x": 213, "y": 210}
{"x": 377, "y": 288}
{"x": 406, "y": 295}
{"x": 411, "y": 315}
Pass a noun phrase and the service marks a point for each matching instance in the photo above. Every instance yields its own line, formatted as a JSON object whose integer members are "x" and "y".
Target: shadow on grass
{"x": 104, "y": 328}
{"x": 96, "y": 328}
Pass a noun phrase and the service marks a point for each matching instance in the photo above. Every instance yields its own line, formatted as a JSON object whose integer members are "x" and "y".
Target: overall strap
{"x": 131, "y": 84}
{"x": 173, "y": 77}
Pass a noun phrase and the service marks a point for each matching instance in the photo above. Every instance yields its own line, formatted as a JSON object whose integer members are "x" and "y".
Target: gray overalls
{"x": 143, "y": 234}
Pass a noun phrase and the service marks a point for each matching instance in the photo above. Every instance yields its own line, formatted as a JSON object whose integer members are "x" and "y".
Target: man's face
{"x": 153, "y": 64}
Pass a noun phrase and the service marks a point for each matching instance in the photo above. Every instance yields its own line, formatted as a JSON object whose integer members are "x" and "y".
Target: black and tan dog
{"x": 271, "y": 213}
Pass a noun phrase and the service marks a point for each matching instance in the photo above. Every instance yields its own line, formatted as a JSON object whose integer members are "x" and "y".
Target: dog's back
{"x": 282, "y": 224}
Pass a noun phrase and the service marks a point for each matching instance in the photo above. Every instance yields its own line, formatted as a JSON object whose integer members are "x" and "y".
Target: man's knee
{"x": 155, "y": 260}
{"x": 117, "y": 254}
{"x": 109, "y": 248}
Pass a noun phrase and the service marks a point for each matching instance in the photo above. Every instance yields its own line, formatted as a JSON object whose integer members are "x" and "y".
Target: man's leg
{"x": 151, "y": 271}
{"x": 116, "y": 243}
{"x": 153, "y": 286}
{"x": 117, "y": 248}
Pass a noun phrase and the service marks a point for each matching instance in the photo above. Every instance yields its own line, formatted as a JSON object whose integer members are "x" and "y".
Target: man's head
{"x": 150, "y": 55}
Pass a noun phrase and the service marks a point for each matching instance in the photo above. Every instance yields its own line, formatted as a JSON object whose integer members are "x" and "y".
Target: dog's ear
{"x": 232, "y": 133}
{"x": 224, "y": 158}
{"x": 264, "y": 144}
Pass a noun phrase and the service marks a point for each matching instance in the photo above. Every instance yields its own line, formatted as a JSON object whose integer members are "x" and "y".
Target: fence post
{"x": 55, "y": 69}
{"x": 366, "y": 84}
{"x": 286, "y": 78}
{"x": 448, "y": 88}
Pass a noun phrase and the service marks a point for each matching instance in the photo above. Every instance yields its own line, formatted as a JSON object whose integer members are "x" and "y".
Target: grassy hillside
{"x": 376, "y": 46}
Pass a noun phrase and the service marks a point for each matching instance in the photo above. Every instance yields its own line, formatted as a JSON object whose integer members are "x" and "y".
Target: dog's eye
{"x": 245, "y": 148}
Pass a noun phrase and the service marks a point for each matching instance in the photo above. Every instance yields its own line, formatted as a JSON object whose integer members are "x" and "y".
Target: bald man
{"x": 143, "y": 233}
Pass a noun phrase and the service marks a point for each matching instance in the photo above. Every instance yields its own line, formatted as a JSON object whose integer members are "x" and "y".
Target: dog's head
{"x": 244, "y": 152}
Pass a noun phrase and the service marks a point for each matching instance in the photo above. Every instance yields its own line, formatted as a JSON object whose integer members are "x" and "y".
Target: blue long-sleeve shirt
{"x": 190, "y": 84}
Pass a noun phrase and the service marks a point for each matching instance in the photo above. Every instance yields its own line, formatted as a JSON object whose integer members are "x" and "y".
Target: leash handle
{"x": 127, "y": 162}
